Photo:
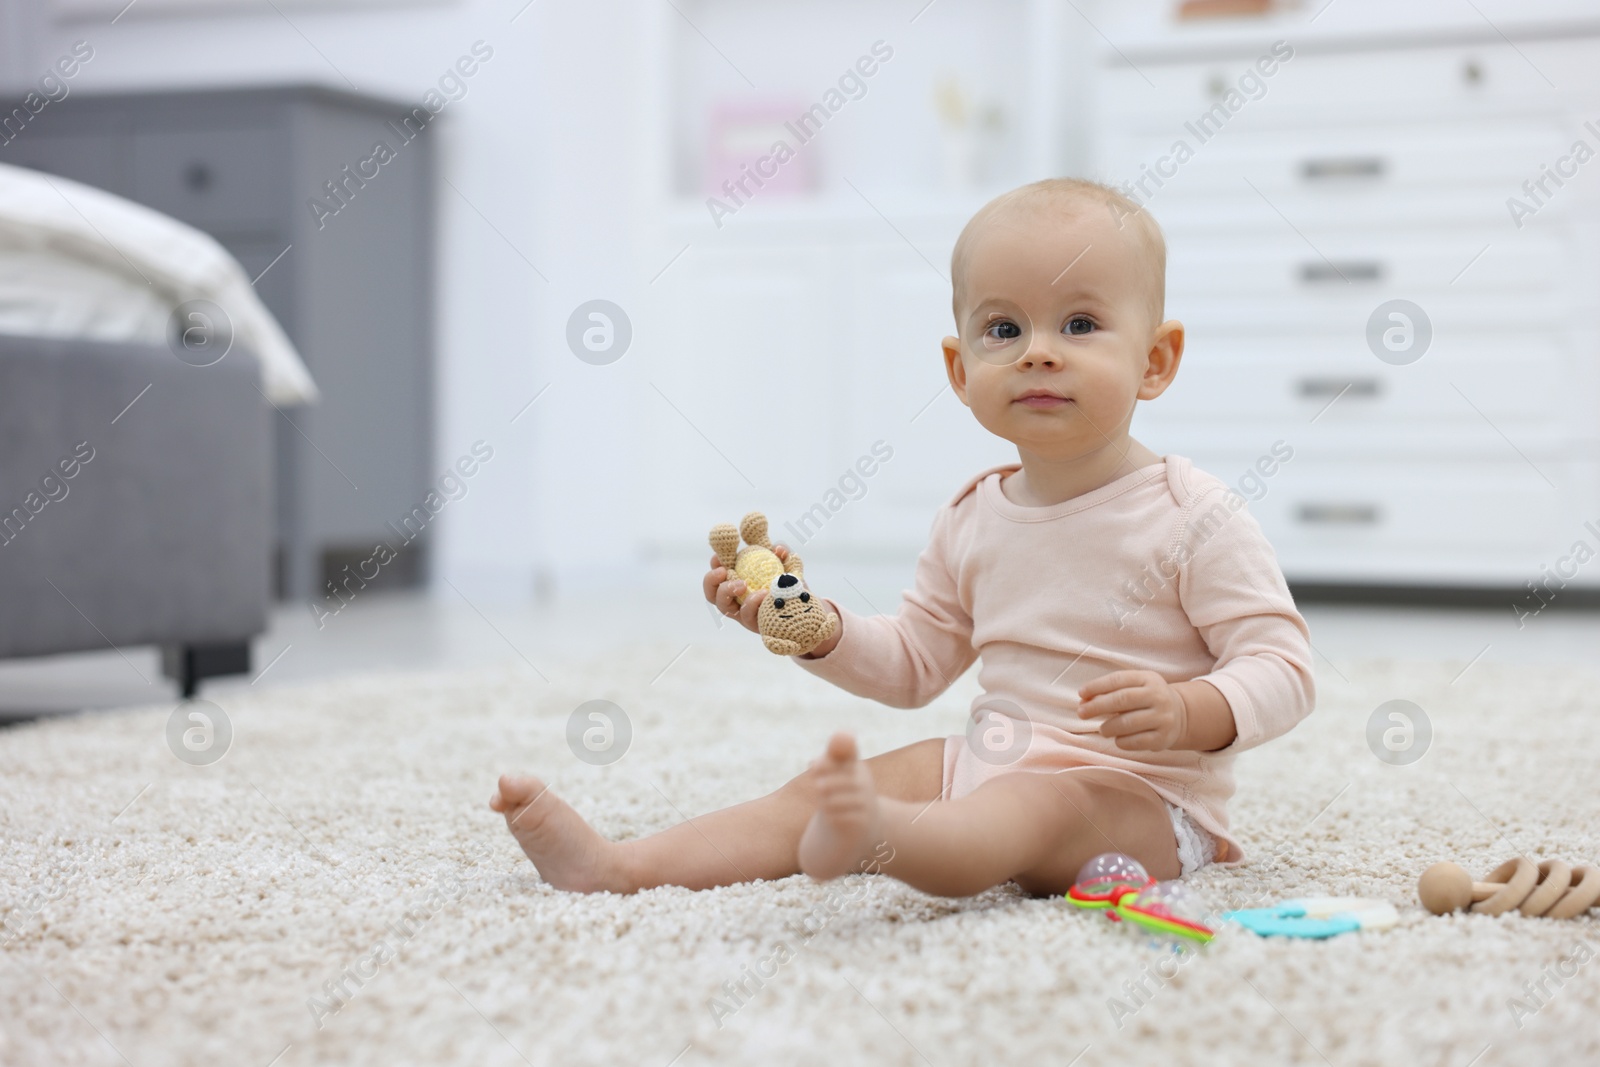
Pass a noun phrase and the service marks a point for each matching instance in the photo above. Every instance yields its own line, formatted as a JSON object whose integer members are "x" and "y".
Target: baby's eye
{"x": 1002, "y": 330}
{"x": 1078, "y": 324}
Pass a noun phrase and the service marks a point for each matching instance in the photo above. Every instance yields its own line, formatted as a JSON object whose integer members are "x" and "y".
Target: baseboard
{"x": 1501, "y": 597}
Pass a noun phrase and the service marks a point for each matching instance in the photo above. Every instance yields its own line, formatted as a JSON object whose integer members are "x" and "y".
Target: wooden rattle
{"x": 792, "y": 622}
{"x": 1552, "y": 889}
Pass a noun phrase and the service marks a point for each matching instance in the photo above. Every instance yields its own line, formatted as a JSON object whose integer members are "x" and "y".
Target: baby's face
{"x": 1057, "y": 326}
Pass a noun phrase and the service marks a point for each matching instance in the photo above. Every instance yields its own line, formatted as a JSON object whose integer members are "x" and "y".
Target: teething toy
{"x": 792, "y": 621}
{"x": 1551, "y": 889}
{"x": 1317, "y": 917}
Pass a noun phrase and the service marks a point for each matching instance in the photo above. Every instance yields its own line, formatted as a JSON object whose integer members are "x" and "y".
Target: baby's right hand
{"x": 723, "y": 590}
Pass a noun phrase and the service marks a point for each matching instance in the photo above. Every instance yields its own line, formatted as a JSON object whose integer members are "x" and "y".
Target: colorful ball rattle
{"x": 1170, "y": 909}
{"x": 1106, "y": 879}
{"x": 1119, "y": 885}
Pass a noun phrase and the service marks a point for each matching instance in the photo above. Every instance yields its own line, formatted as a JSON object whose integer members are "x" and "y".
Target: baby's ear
{"x": 954, "y": 369}
{"x": 1161, "y": 366}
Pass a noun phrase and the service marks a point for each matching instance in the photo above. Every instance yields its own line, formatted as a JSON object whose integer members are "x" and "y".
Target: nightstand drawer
{"x": 231, "y": 180}
{"x": 99, "y": 159}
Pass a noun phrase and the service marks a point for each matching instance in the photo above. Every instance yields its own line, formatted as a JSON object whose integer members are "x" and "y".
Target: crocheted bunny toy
{"x": 792, "y": 621}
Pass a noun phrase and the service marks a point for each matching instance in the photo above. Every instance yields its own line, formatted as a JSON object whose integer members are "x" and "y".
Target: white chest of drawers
{"x": 1365, "y": 169}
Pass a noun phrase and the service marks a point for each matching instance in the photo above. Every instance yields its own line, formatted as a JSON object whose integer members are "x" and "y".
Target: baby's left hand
{"x": 1142, "y": 711}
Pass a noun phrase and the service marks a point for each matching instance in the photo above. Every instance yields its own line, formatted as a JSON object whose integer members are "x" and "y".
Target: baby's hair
{"x": 1069, "y": 193}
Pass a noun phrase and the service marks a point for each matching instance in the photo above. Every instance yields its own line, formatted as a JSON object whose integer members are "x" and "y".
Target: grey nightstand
{"x": 354, "y": 290}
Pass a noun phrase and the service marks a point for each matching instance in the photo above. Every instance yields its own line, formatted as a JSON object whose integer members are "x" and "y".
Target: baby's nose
{"x": 1039, "y": 353}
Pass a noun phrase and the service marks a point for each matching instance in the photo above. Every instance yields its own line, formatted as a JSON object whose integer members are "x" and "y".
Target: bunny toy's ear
{"x": 725, "y": 543}
{"x": 754, "y": 529}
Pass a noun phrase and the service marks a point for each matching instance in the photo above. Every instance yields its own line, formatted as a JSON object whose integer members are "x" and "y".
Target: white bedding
{"x": 76, "y": 261}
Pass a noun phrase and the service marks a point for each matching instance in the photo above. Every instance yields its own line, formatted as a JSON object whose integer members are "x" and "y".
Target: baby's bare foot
{"x": 565, "y": 849}
{"x": 845, "y": 826}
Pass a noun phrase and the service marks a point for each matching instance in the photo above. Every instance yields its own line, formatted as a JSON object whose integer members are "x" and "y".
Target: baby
{"x": 1134, "y": 629}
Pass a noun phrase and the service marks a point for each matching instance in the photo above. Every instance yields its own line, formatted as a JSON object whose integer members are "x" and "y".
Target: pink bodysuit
{"x": 1162, "y": 569}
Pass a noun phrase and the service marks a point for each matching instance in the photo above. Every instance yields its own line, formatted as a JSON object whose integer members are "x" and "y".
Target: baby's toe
{"x": 516, "y": 791}
{"x": 842, "y": 748}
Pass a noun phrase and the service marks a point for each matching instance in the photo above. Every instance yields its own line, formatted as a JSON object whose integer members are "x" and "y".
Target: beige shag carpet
{"x": 158, "y": 913}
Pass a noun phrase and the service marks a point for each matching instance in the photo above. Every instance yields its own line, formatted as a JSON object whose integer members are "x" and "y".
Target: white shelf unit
{"x": 821, "y": 315}
{"x": 1375, "y": 166}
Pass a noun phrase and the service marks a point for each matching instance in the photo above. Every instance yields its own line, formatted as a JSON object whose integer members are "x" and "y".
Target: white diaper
{"x": 1196, "y": 846}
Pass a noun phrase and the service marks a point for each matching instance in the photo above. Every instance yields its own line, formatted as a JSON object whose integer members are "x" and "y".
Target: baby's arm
{"x": 907, "y": 659}
{"x": 902, "y": 660}
{"x": 1260, "y": 684}
{"x": 1236, "y": 597}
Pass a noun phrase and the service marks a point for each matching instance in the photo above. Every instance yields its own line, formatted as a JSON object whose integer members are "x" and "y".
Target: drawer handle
{"x": 1320, "y": 387}
{"x": 1321, "y": 273}
{"x": 1363, "y": 167}
{"x": 1340, "y": 514}
{"x": 197, "y": 176}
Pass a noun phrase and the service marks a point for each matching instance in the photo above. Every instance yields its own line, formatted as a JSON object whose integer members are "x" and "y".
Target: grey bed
{"x": 135, "y": 503}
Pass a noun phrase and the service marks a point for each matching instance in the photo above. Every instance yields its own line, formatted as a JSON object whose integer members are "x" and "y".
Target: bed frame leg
{"x": 189, "y": 665}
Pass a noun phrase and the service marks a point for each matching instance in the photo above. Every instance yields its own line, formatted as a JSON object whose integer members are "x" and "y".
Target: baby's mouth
{"x": 1041, "y": 398}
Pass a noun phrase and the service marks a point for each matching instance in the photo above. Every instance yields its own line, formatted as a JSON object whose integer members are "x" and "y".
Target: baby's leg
{"x": 1033, "y": 828}
{"x": 756, "y": 839}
